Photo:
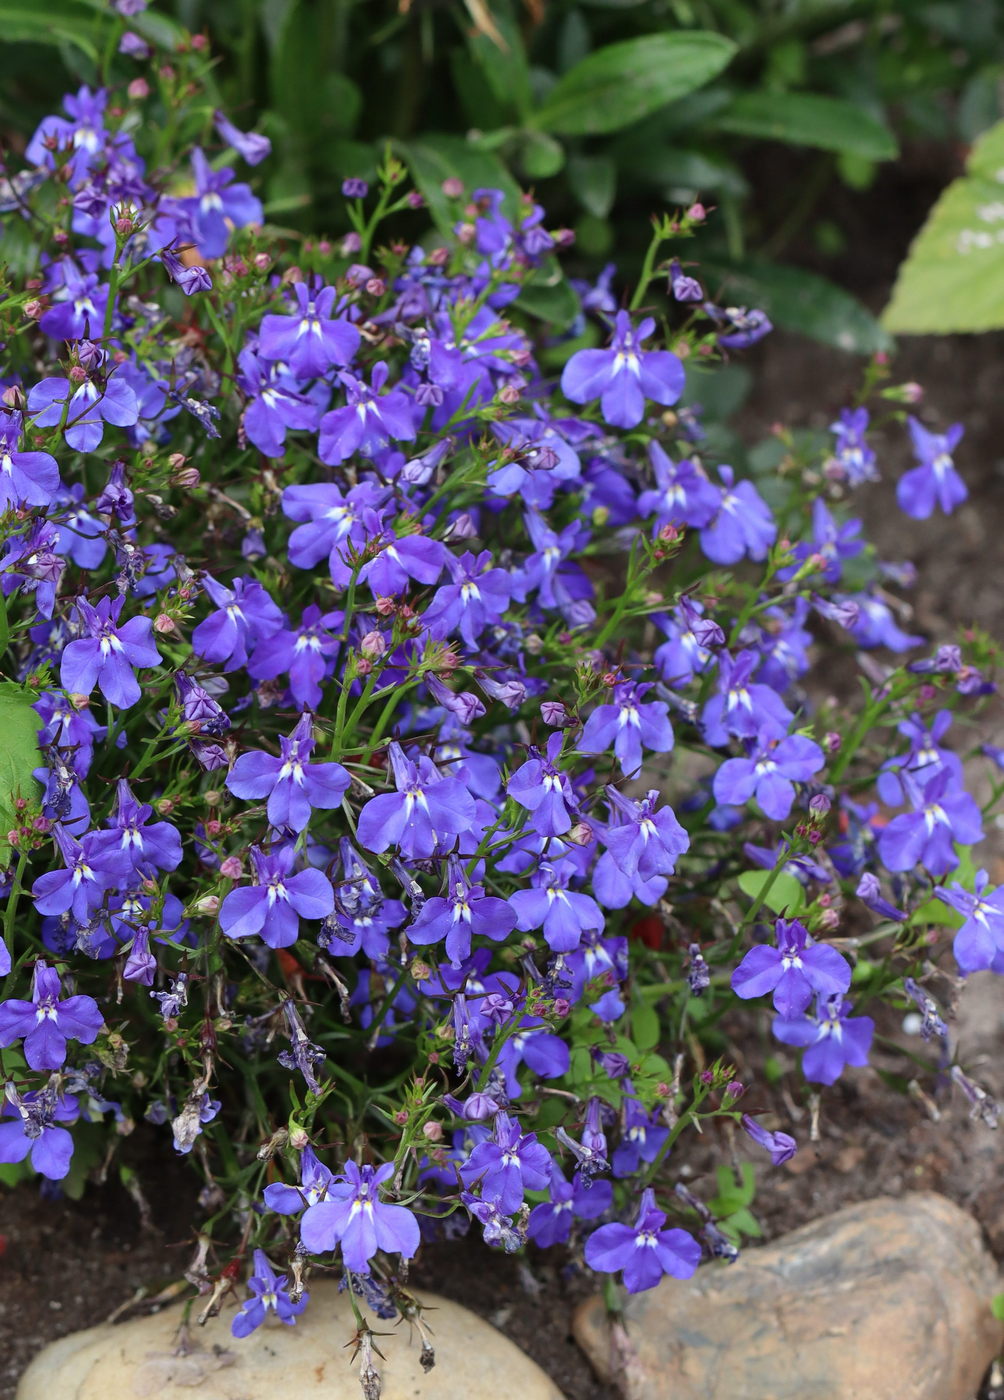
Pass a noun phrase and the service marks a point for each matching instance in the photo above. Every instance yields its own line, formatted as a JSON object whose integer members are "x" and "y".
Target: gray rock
{"x": 142, "y": 1358}
{"x": 887, "y": 1300}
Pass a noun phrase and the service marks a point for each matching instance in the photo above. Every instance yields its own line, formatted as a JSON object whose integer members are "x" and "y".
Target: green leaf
{"x": 785, "y": 896}
{"x": 625, "y": 82}
{"x": 594, "y": 182}
{"x": 997, "y": 1306}
{"x": 52, "y": 23}
{"x": 953, "y": 277}
{"x": 440, "y": 156}
{"x": 540, "y": 155}
{"x": 807, "y": 119}
{"x": 19, "y": 725}
{"x": 549, "y": 297}
{"x": 803, "y": 302}
{"x": 644, "y": 1025}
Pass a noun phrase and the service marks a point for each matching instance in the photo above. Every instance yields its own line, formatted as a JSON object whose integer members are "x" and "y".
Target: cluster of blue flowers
{"x": 360, "y": 614}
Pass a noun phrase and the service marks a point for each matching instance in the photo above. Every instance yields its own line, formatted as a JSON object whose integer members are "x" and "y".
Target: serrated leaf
{"x": 952, "y": 279}
{"x": 801, "y": 301}
{"x": 19, "y": 754}
{"x": 808, "y": 119}
{"x": 622, "y": 83}
{"x": 785, "y": 896}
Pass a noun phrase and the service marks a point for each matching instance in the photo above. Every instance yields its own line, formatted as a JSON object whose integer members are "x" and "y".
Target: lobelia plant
{"x": 417, "y": 766}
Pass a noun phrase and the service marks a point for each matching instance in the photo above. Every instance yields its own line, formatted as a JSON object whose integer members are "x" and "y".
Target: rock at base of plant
{"x": 886, "y": 1300}
{"x": 141, "y": 1358}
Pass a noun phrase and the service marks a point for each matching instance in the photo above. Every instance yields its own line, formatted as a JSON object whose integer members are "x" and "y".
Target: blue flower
{"x": 551, "y": 1221}
{"x": 832, "y": 1039}
{"x": 508, "y": 1165}
{"x": 35, "y": 1133}
{"x": 218, "y": 199}
{"x": 311, "y": 340}
{"x": 269, "y": 1293}
{"x": 645, "y": 1251}
{"x": 743, "y": 525}
{"x": 979, "y": 943}
{"x": 353, "y": 1215}
{"x": 107, "y": 655}
{"x": 935, "y": 481}
{"x": 942, "y": 815}
{"x": 794, "y": 971}
{"x": 425, "y": 815}
{"x": 91, "y": 405}
{"x": 466, "y": 912}
{"x": 623, "y": 376}
{"x": 626, "y": 725}
{"x": 293, "y": 785}
{"x": 49, "y": 1020}
{"x": 276, "y": 902}
{"x": 26, "y": 478}
{"x": 250, "y": 145}
{"x": 769, "y": 773}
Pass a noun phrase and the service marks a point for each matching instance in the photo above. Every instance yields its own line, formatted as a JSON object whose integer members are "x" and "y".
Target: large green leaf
{"x": 806, "y": 119}
{"x": 799, "y": 301}
{"x": 19, "y": 754}
{"x": 55, "y": 22}
{"x": 625, "y": 82}
{"x": 953, "y": 277}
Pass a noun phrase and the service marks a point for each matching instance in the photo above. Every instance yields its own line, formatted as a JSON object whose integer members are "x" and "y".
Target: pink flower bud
{"x": 373, "y": 645}
{"x": 231, "y": 868}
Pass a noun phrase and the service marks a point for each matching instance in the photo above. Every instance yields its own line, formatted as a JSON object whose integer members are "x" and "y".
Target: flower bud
{"x": 231, "y": 868}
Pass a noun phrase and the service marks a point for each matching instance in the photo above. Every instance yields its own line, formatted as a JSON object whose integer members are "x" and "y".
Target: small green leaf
{"x": 644, "y": 1025}
{"x": 997, "y": 1306}
{"x": 53, "y": 23}
{"x": 808, "y": 119}
{"x": 436, "y": 157}
{"x": 622, "y": 83}
{"x": 594, "y": 182}
{"x": 540, "y": 155}
{"x": 785, "y": 896}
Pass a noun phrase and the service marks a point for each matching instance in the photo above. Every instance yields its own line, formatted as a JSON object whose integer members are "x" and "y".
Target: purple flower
{"x": 198, "y": 708}
{"x": 545, "y": 791}
{"x": 78, "y": 306}
{"x": 79, "y": 887}
{"x": 269, "y": 1293}
{"x": 251, "y": 146}
{"x": 190, "y": 279}
{"x": 852, "y": 458}
{"x": 36, "y": 1134}
{"x": 979, "y": 943}
{"x": 623, "y": 376}
{"x": 306, "y": 653}
{"x": 743, "y": 708}
{"x": 925, "y": 759}
{"x": 90, "y": 407}
{"x": 642, "y": 849}
{"x": 625, "y": 725}
{"x": 47, "y": 1022}
{"x": 869, "y": 891}
{"x": 400, "y": 560}
{"x": 311, "y": 340}
{"x": 935, "y": 481}
{"x": 273, "y": 906}
{"x": 423, "y": 817}
{"x": 218, "y": 199}
{"x": 743, "y": 526}
{"x": 315, "y": 1179}
{"x": 768, "y": 774}
{"x": 551, "y": 1221}
{"x": 745, "y": 327}
{"x": 245, "y": 615}
{"x": 781, "y": 1146}
{"x": 477, "y": 598}
{"x": 683, "y": 495}
{"x": 26, "y": 478}
{"x": 832, "y": 1039}
{"x": 643, "y": 1140}
{"x": 564, "y": 915}
{"x": 942, "y": 816}
{"x": 508, "y": 1165}
{"x": 369, "y": 421}
{"x": 830, "y": 544}
{"x": 643, "y": 1252}
{"x": 274, "y": 405}
{"x": 793, "y": 971}
{"x": 353, "y": 1215}
{"x": 292, "y": 784}
{"x": 688, "y": 652}
{"x": 147, "y": 846}
{"x": 466, "y": 912}
{"x": 106, "y": 656}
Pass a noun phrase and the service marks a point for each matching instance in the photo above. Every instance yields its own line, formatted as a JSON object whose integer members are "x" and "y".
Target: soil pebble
{"x": 889, "y": 1299}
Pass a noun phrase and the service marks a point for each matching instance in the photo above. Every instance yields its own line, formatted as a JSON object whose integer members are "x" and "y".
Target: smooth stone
{"x": 137, "y": 1359}
{"x": 886, "y": 1300}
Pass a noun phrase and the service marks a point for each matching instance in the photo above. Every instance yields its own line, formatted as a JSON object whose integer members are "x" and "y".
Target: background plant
{"x": 603, "y": 108}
